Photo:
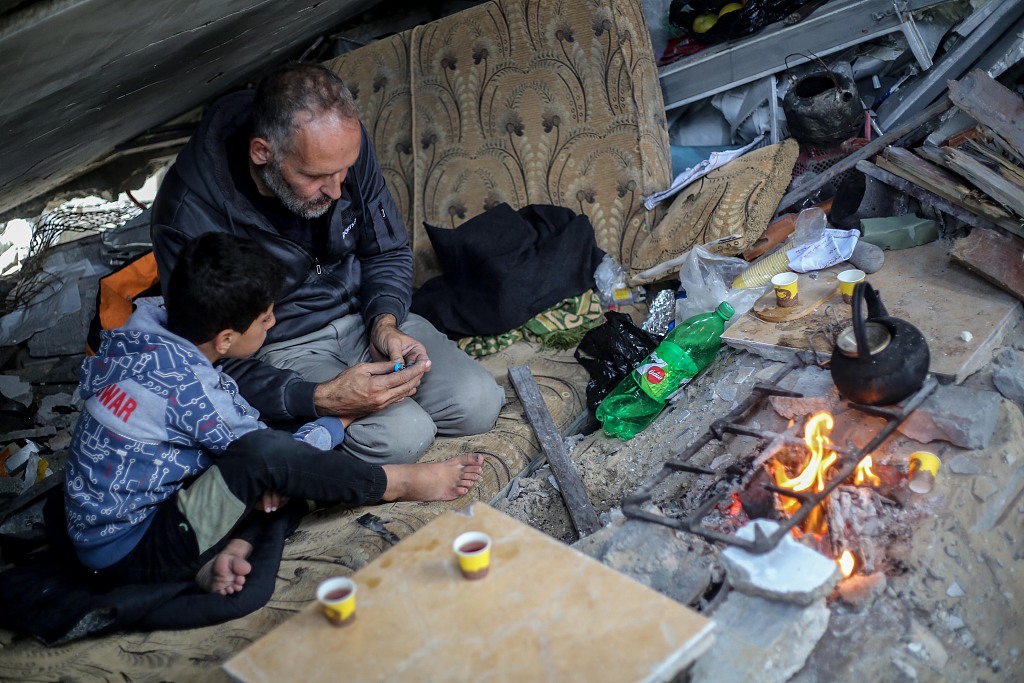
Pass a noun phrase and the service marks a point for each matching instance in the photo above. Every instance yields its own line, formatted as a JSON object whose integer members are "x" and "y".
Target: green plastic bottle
{"x": 688, "y": 348}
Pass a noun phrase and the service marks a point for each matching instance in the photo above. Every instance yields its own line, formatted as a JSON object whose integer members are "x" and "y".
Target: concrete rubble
{"x": 790, "y": 572}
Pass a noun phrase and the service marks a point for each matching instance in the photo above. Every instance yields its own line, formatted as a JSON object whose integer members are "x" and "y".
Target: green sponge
{"x": 898, "y": 232}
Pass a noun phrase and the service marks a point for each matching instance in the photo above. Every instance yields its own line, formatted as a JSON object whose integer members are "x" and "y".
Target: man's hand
{"x": 367, "y": 387}
{"x": 387, "y": 342}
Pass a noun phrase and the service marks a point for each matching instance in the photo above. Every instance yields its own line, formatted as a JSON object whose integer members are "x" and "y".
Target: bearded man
{"x": 291, "y": 166}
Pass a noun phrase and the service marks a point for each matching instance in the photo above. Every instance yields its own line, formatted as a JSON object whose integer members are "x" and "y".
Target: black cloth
{"x": 366, "y": 267}
{"x": 262, "y": 460}
{"x": 503, "y": 267}
{"x": 55, "y": 599}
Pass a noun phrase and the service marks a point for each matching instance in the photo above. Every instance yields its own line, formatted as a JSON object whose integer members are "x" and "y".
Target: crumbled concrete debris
{"x": 1007, "y": 357}
{"x": 15, "y": 389}
{"x": 955, "y": 590}
{"x": 1005, "y": 496}
{"x": 34, "y": 433}
{"x": 58, "y": 410}
{"x": 676, "y": 565}
{"x": 859, "y": 591}
{"x": 1009, "y": 381}
{"x": 743, "y": 373}
{"x": 905, "y": 668}
{"x": 817, "y": 388}
{"x": 983, "y": 488}
{"x": 728, "y": 392}
{"x": 961, "y": 464}
{"x": 925, "y": 647}
{"x": 760, "y": 640}
{"x": 789, "y": 572}
{"x": 964, "y": 417}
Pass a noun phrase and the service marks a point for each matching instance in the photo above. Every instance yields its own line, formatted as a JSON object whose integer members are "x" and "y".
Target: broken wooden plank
{"x": 995, "y": 257}
{"x": 584, "y": 518}
{"x": 991, "y": 104}
{"x": 936, "y": 181}
{"x": 904, "y": 134}
{"x": 988, "y": 176}
{"x": 925, "y": 196}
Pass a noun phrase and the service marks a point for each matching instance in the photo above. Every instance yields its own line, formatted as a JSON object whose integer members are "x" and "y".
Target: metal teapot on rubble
{"x": 881, "y": 360}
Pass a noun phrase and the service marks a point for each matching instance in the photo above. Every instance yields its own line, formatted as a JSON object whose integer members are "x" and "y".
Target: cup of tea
{"x": 922, "y": 471}
{"x": 847, "y": 280}
{"x": 785, "y": 285}
{"x": 337, "y": 597}
{"x": 473, "y": 550}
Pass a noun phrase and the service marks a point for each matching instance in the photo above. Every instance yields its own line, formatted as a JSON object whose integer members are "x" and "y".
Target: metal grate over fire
{"x": 804, "y": 483}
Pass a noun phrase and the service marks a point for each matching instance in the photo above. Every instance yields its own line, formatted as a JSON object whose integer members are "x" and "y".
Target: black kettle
{"x": 881, "y": 360}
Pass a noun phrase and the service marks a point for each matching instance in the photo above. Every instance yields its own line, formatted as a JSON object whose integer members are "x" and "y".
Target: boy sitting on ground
{"x": 168, "y": 459}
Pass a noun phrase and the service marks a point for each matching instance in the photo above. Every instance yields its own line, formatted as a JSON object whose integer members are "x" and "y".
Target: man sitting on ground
{"x": 291, "y": 167}
{"x": 168, "y": 460}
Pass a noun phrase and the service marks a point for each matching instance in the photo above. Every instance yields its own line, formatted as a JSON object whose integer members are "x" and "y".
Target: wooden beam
{"x": 584, "y": 518}
{"x": 904, "y": 134}
{"x": 936, "y": 181}
{"x": 922, "y": 195}
{"x": 988, "y": 175}
{"x": 994, "y": 257}
{"x": 991, "y": 104}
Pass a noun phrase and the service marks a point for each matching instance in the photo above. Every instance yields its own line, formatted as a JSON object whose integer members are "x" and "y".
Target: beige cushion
{"x": 737, "y": 198}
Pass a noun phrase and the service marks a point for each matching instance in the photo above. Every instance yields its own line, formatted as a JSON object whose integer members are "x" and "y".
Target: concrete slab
{"x": 544, "y": 613}
{"x": 920, "y": 285}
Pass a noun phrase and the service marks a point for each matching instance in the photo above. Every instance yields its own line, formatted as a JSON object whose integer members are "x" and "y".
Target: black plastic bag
{"x": 716, "y": 21}
{"x": 610, "y": 352}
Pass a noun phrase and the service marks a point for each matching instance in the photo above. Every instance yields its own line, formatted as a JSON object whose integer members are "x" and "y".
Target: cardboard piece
{"x": 545, "y": 612}
{"x": 920, "y": 285}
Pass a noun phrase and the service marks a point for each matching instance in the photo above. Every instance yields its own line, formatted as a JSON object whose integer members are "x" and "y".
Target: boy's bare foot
{"x": 423, "y": 481}
{"x": 225, "y": 573}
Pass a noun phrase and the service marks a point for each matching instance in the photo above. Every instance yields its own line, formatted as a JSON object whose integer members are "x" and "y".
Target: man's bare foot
{"x": 225, "y": 573}
{"x": 423, "y": 481}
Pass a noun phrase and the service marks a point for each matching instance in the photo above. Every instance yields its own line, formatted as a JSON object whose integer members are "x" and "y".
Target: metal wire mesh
{"x": 46, "y": 233}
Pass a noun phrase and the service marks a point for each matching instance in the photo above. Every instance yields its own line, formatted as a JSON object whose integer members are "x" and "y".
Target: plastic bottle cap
{"x": 726, "y": 310}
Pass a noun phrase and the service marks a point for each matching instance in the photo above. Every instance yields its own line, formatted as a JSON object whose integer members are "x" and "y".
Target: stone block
{"x": 789, "y": 572}
{"x": 760, "y": 640}
{"x": 657, "y": 556}
{"x": 962, "y": 416}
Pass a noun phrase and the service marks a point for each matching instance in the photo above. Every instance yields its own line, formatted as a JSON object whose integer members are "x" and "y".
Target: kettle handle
{"x": 875, "y": 307}
{"x": 859, "y": 328}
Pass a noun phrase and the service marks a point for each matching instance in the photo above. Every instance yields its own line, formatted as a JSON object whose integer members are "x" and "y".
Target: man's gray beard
{"x": 270, "y": 174}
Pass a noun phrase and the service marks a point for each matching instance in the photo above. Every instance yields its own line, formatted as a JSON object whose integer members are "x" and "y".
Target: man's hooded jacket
{"x": 365, "y": 267}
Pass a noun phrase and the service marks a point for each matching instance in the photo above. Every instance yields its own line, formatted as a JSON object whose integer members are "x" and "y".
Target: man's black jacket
{"x": 366, "y": 268}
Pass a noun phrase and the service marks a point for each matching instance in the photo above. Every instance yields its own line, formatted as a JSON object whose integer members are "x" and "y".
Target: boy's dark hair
{"x": 293, "y": 88}
{"x": 220, "y": 282}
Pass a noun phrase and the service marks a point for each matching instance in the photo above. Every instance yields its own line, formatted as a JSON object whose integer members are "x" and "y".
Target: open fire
{"x": 832, "y": 496}
{"x": 811, "y": 473}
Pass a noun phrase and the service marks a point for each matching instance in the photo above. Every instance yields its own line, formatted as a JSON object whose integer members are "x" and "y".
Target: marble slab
{"x": 545, "y": 612}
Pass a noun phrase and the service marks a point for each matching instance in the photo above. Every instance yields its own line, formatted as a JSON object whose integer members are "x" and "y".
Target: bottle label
{"x": 657, "y": 379}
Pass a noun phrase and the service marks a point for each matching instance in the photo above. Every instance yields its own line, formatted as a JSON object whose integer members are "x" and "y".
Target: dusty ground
{"x": 947, "y": 600}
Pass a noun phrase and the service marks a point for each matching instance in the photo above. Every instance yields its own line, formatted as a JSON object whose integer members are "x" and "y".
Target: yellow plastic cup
{"x": 760, "y": 272}
{"x": 847, "y": 280}
{"x": 337, "y": 597}
{"x": 785, "y": 285}
{"x": 473, "y": 550}
{"x": 924, "y": 468}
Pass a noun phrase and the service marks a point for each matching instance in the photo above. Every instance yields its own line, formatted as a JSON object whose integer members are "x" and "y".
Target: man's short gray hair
{"x": 294, "y": 88}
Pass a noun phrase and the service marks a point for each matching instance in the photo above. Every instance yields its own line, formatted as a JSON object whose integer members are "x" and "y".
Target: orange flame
{"x": 812, "y": 476}
{"x": 864, "y": 473}
{"x": 846, "y": 563}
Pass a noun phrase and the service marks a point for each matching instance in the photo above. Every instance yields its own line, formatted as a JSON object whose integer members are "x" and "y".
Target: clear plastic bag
{"x": 707, "y": 279}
